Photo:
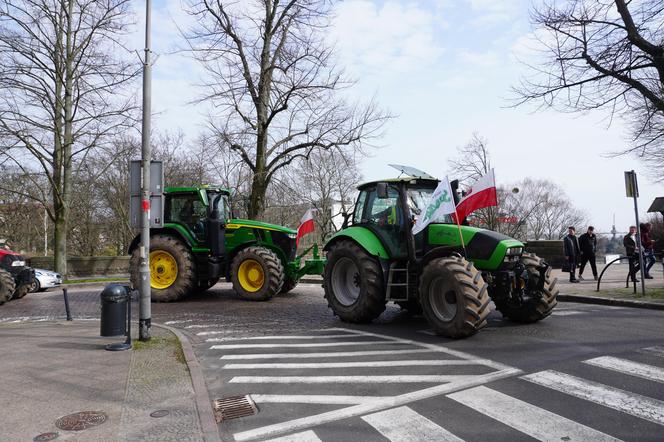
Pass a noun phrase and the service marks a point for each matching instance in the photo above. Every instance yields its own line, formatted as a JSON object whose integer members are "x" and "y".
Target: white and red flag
{"x": 306, "y": 225}
{"x": 482, "y": 194}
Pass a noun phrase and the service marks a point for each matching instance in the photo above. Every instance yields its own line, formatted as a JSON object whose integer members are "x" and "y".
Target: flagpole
{"x": 463, "y": 245}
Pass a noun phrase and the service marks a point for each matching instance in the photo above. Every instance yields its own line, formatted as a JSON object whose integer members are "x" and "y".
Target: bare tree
{"x": 273, "y": 80}
{"x": 62, "y": 92}
{"x": 604, "y": 54}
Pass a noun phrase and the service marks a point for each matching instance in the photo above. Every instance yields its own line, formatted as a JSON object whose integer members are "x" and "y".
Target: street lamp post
{"x": 144, "y": 313}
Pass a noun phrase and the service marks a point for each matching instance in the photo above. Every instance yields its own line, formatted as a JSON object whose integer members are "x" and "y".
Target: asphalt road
{"x": 588, "y": 372}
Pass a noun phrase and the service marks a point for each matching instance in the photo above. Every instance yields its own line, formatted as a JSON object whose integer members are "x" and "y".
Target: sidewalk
{"x": 55, "y": 369}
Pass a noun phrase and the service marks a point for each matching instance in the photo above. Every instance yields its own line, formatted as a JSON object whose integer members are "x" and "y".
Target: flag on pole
{"x": 440, "y": 204}
{"x": 306, "y": 225}
{"x": 481, "y": 194}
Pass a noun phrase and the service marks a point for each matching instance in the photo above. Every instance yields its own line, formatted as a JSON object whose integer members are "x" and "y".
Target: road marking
{"x": 645, "y": 371}
{"x": 406, "y": 363}
{"x": 305, "y": 436}
{"x": 397, "y": 379}
{"x": 405, "y": 425}
{"x": 565, "y": 312}
{"x": 379, "y": 405}
{"x": 318, "y": 344}
{"x": 179, "y": 321}
{"x": 261, "y": 338}
{"x": 621, "y": 400}
{"x": 200, "y": 326}
{"x": 529, "y": 419}
{"x": 328, "y": 399}
{"x": 338, "y": 354}
{"x": 657, "y": 350}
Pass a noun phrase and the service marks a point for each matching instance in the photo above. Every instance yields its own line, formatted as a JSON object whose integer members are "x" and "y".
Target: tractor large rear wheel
{"x": 21, "y": 290}
{"x": 7, "y": 286}
{"x": 537, "y": 306}
{"x": 257, "y": 274}
{"x": 454, "y": 297}
{"x": 172, "y": 269}
{"x": 353, "y": 283}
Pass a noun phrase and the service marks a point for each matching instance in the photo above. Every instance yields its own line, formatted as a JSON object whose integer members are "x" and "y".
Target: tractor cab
{"x": 191, "y": 207}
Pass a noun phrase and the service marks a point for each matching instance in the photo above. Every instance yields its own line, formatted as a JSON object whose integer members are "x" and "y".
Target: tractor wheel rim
{"x": 251, "y": 275}
{"x": 163, "y": 269}
{"x": 443, "y": 300}
{"x": 346, "y": 282}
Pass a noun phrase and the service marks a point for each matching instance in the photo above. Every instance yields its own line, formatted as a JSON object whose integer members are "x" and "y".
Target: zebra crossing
{"x": 327, "y": 367}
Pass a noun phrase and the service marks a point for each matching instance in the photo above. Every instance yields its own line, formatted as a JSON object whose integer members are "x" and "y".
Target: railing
{"x": 636, "y": 269}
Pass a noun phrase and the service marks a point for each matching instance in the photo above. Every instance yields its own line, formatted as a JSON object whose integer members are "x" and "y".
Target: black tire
{"x": 536, "y": 308}
{"x": 7, "y": 286}
{"x": 21, "y": 291}
{"x": 353, "y": 283}
{"x": 289, "y": 284}
{"x": 271, "y": 268}
{"x": 35, "y": 286}
{"x": 454, "y": 297}
{"x": 185, "y": 280}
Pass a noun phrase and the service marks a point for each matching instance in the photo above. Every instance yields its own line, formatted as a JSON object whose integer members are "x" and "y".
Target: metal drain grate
{"x": 81, "y": 421}
{"x": 233, "y": 407}
{"x": 46, "y": 437}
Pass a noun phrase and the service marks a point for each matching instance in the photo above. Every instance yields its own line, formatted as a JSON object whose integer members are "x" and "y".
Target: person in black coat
{"x": 588, "y": 245}
{"x": 572, "y": 251}
{"x": 630, "y": 242}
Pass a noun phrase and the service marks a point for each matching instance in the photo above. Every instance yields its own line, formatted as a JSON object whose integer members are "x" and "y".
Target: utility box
{"x": 156, "y": 194}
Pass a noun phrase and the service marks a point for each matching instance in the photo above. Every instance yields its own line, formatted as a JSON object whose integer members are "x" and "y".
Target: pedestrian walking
{"x": 572, "y": 251}
{"x": 588, "y": 246}
{"x": 631, "y": 241}
{"x": 648, "y": 248}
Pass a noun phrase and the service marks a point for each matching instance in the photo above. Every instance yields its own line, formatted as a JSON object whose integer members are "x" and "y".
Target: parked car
{"x": 45, "y": 279}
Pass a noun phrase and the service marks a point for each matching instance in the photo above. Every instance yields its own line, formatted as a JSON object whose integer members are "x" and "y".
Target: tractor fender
{"x": 363, "y": 237}
{"x": 439, "y": 252}
{"x": 168, "y": 231}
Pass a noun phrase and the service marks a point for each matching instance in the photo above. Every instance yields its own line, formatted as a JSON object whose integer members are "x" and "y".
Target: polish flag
{"x": 306, "y": 225}
{"x": 482, "y": 194}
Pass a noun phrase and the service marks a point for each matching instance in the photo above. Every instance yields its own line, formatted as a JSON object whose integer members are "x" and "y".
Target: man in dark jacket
{"x": 648, "y": 250}
{"x": 572, "y": 250}
{"x": 588, "y": 245}
{"x": 630, "y": 242}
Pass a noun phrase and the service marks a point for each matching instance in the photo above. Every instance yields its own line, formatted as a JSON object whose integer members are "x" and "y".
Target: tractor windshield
{"x": 418, "y": 198}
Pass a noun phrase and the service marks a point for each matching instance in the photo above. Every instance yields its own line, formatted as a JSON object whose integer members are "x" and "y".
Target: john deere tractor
{"x": 378, "y": 259}
{"x": 200, "y": 243}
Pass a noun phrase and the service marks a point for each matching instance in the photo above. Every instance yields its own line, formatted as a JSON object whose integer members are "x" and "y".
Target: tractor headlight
{"x": 515, "y": 250}
{"x": 18, "y": 263}
{"x": 292, "y": 235}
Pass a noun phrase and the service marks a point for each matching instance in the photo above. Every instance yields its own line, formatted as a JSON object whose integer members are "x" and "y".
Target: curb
{"x": 201, "y": 394}
{"x": 611, "y": 301}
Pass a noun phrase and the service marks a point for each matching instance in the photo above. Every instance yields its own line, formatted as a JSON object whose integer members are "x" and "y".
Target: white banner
{"x": 440, "y": 204}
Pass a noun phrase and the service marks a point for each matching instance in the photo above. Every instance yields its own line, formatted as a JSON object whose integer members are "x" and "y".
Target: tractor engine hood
{"x": 486, "y": 248}
{"x": 237, "y": 223}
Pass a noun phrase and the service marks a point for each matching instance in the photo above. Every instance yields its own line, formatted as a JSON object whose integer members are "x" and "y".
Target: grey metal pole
{"x": 144, "y": 313}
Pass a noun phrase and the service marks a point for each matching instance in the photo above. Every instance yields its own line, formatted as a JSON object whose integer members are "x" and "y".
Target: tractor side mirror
{"x": 345, "y": 215}
{"x": 381, "y": 190}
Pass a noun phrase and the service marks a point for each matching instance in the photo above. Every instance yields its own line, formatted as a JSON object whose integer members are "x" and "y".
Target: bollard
{"x": 64, "y": 293}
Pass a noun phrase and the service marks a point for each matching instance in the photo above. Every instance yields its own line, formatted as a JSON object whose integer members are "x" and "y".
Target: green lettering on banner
{"x": 443, "y": 198}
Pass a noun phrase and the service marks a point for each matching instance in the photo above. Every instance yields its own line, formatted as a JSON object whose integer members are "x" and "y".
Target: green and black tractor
{"x": 378, "y": 259}
{"x": 200, "y": 243}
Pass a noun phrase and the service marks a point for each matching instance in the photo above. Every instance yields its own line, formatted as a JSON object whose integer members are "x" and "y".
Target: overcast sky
{"x": 445, "y": 69}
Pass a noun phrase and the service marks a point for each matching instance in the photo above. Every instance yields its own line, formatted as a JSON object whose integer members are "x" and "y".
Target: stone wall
{"x": 551, "y": 251}
{"x": 87, "y": 266}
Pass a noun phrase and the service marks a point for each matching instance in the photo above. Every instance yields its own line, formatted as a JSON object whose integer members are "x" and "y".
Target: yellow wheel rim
{"x": 251, "y": 275}
{"x": 163, "y": 269}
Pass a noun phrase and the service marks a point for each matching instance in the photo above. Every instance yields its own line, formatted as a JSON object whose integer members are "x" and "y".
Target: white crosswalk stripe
{"x": 657, "y": 350}
{"x": 364, "y": 364}
{"x": 405, "y": 425}
{"x": 336, "y": 354}
{"x": 304, "y": 436}
{"x": 399, "y": 379}
{"x": 631, "y": 403}
{"x": 317, "y": 344}
{"x": 534, "y": 421}
{"x": 644, "y": 371}
{"x": 566, "y": 313}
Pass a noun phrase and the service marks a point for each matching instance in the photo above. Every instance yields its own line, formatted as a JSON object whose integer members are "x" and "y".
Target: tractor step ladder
{"x": 402, "y": 287}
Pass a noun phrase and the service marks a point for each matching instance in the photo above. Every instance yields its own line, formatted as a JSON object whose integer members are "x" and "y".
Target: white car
{"x": 45, "y": 279}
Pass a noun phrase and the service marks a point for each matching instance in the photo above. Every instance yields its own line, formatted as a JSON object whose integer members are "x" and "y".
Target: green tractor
{"x": 378, "y": 259}
{"x": 200, "y": 243}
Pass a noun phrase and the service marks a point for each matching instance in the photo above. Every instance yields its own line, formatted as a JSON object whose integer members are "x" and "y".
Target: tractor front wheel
{"x": 7, "y": 286}
{"x": 454, "y": 297}
{"x": 257, "y": 274}
{"x": 353, "y": 283}
{"x": 21, "y": 290}
{"x": 536, "y": 306}
{"x": 172, "y": 269}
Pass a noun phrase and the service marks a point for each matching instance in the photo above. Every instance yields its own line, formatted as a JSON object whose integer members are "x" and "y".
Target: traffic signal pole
{"x": 144, "y": 313}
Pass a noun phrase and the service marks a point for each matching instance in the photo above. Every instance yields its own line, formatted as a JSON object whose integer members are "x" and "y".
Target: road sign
{"x": 631, "y": 185}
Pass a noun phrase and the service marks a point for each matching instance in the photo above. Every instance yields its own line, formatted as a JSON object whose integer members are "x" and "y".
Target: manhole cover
{"x": 81, "y": 420}
{"x": 159, "y": 413}
{"x": 45, "y": 437}
{"x": 233, "y": 407}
